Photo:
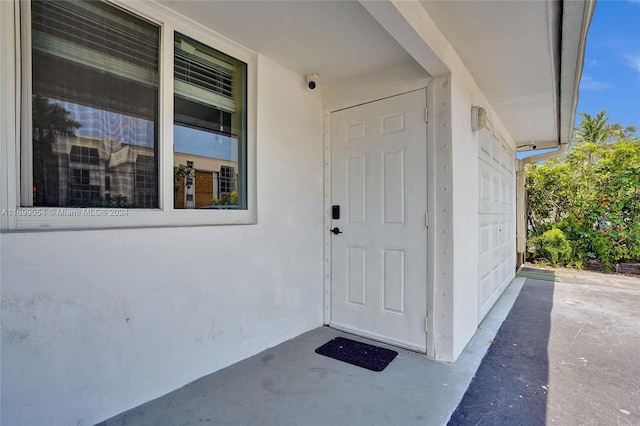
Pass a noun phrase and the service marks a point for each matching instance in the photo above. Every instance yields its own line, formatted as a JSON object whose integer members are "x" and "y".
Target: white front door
{"x": 379, "y": 180}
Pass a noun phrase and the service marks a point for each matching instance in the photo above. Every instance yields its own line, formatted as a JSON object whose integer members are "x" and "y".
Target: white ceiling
{"x": 337, "y": 39}
{"x": 512, "y": 48}
{"x": 507, "y": 47}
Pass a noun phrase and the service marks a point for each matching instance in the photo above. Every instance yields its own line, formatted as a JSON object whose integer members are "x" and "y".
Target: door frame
{"x": 430, "y": 188}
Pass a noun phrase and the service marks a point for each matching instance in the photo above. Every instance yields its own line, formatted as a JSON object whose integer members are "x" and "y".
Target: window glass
{"x": 94, "y": 106}
{"x": 209, "y": 127}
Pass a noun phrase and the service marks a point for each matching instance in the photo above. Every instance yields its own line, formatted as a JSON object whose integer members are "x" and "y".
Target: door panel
{"x": 204, "y": 188}
{"x": 357, "y": 195}
{"x": 393, "y": 202}
{"x": 357, "y": 275}
{"x": 379, "y": 179}
{"x": 393, "y": 280}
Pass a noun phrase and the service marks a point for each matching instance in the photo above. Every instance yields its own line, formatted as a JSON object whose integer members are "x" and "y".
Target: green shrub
{"x": 591, "y": 194}
{"x": 227, "y": 200}
{"x": 576, "y": 264}
{"x": 552, "y": 246}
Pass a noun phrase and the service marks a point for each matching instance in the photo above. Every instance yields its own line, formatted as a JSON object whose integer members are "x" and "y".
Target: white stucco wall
{"x": 390, "y": 81}
{"x": 455, "y": 168}
{"x": 97, "y": 322}
{"x": 465, "y": 211}
{"x": 465, "y": 198}
{"x": 453, "y": 185}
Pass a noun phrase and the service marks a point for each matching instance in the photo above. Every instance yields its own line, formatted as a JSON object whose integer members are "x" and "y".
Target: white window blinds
{"x": 202, "y": 77}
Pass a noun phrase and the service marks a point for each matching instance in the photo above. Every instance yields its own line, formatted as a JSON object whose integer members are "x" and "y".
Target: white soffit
{"x": 510, "y": 49}
{"x": 337, "y": 39}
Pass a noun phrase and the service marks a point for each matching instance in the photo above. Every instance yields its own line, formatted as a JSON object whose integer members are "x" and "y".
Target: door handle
{"x": 336, "y": 230}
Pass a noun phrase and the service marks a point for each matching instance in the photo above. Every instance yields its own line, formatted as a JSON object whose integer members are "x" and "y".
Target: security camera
{"x": 312, "y": 80}
{"x": 533, "y": 146}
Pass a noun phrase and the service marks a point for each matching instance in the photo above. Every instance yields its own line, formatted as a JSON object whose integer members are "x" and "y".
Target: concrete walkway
{"x": 292, "y": 385}
{"x": 573, "y": 357}
{"x": 567, "y": 354}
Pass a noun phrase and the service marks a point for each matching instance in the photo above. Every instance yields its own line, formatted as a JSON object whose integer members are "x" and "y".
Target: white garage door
{"x": 496, "y": 220}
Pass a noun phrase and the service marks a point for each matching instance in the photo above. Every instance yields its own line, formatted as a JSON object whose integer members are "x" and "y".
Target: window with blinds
{"x": 92, "y": 139}
{"x": 209, "y": 116}
{"x": 91, "y": 53}
{"x": 202, "y": 77}
{"x": 94, "y": 101}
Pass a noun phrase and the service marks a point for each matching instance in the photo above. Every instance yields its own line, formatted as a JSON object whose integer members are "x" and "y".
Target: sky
{"x": 611, "y": 74}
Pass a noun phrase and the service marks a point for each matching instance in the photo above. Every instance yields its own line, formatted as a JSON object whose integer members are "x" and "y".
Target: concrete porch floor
{"x": 290, "y": 384}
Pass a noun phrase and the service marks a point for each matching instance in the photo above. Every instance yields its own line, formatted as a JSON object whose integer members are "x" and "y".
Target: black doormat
{"x": 361, "y": 354}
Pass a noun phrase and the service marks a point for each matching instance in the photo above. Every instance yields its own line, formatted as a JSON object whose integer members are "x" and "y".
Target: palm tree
{"x": 597, "y": 130}
{"x": 620, "y": 133}
{"x": 49, "y": 120}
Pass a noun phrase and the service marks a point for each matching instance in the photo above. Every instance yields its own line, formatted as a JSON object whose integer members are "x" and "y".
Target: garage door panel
{"x": 485, "y": 146}
{"x": 495, "y": 190}
{"x": 495, "y": 281}
{"x": 496, "y": 243}
{"x": 485, "y": 188}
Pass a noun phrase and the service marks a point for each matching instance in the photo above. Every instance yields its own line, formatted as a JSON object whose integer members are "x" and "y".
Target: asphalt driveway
{"x": 567, "y": 354}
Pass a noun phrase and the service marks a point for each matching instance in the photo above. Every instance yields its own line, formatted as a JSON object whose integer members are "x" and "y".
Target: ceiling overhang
{"x": 525, "y": 56}
{"x": 338, "y": 40}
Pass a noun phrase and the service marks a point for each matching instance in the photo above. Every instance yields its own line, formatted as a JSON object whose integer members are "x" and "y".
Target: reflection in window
{"x": 209, "y": 127}
{"x": 94, "y": 106}
{"x": 227, "y": 179}
{"x": 84, "y": 154}
{"x": 81, "y": 191}
{"x": 146, "y": 183}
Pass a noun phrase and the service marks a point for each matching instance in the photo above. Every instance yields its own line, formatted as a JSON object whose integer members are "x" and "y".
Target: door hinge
{"x": 426, "y": 324}
{"x": 426, "y": 219}
{"x": 426, "y": 115}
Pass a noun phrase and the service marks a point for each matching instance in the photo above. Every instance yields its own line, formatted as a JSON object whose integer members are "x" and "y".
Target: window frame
{"x": 15, "y": 217}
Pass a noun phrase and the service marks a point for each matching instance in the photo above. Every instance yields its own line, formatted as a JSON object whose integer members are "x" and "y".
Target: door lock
{"x": 336, "y": 230}
{"x": 335, "y": 212}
